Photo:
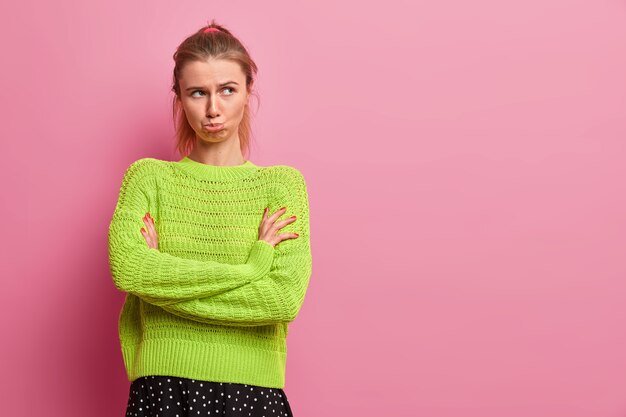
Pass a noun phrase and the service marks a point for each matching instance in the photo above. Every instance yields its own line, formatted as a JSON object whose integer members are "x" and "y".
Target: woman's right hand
{"x": 269, "y": 226}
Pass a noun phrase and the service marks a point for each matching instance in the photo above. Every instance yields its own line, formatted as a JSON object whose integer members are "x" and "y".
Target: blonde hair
{"x": 202, "y": 46}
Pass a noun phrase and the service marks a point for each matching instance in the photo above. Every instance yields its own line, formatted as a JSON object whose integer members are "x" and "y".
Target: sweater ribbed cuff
{"x": 260, "y": 258}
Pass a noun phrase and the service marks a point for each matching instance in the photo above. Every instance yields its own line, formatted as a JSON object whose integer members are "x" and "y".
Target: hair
{"x": 200, "y": 47}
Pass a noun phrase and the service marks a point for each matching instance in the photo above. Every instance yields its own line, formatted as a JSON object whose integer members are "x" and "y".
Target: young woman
{"x": 213, "y": 272}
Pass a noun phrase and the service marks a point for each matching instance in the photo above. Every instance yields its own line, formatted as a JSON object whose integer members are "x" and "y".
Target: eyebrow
{"x": 220, "y": 85}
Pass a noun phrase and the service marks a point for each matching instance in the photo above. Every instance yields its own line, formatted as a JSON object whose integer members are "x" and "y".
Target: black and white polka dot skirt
{"x": 166, "y": 396}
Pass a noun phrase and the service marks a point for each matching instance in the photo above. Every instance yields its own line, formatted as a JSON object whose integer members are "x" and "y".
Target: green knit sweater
{"x": 213, "y": 302}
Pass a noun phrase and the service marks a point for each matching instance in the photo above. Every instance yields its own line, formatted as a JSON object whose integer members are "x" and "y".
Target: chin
{"x": 211, "y": 137}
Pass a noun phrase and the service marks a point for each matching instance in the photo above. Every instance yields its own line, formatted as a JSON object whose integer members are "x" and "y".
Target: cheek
{"x": 192, "y": 110}
{"x": 237, "y": 108}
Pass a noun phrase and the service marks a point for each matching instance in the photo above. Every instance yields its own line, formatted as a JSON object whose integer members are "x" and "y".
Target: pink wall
{"x": 465, "y": 163}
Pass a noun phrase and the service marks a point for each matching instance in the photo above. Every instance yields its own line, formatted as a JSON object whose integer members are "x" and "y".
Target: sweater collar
{"x": 216, "y": 172}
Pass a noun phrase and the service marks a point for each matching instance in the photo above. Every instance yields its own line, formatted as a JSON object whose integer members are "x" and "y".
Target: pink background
{"x": 465, "y": 164}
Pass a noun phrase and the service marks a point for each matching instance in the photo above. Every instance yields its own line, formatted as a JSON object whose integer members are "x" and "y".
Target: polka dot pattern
{"x": 166, "y": 396}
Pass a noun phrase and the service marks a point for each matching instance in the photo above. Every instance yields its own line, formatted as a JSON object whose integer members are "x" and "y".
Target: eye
{"x": 229, "y": 88}
{"x": 196, "y": 91}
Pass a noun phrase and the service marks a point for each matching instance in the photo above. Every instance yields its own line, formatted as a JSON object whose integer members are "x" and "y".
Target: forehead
{"x": 211, "y": 72}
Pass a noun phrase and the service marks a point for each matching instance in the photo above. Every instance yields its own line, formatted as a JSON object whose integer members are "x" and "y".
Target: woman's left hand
{"x": 151, "y": 235}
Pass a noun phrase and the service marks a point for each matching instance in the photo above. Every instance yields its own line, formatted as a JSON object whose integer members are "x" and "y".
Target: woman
{"x": 213, "y": 273}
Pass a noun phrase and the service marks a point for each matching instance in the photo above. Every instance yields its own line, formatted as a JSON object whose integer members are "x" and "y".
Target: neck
{"x": 222, "y": 173}
{"x": 222, "y": 153}
{"x": 217, "y": 160}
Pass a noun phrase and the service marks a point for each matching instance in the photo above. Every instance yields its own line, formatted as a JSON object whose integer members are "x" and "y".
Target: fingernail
{"x": 292, "y": 217}
{"x": 143, "y": 230}
{"x": 281, "y": 208}
{"x": 296, "y": 234}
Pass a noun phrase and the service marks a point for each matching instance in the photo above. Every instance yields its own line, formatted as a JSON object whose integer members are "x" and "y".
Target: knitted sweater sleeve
{"x": 279, "y": 294}
{"x": 160, "y": 277}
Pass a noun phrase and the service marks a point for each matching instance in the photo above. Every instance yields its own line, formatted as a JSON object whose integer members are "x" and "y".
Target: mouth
{"x": 213, "y": 127}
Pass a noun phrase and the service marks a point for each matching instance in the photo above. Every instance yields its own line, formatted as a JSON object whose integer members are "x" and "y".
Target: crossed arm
{"x": 268, "y": 288}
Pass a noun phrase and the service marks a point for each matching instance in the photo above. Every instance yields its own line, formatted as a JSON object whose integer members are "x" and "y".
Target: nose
{"x": 212, "y": 110}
